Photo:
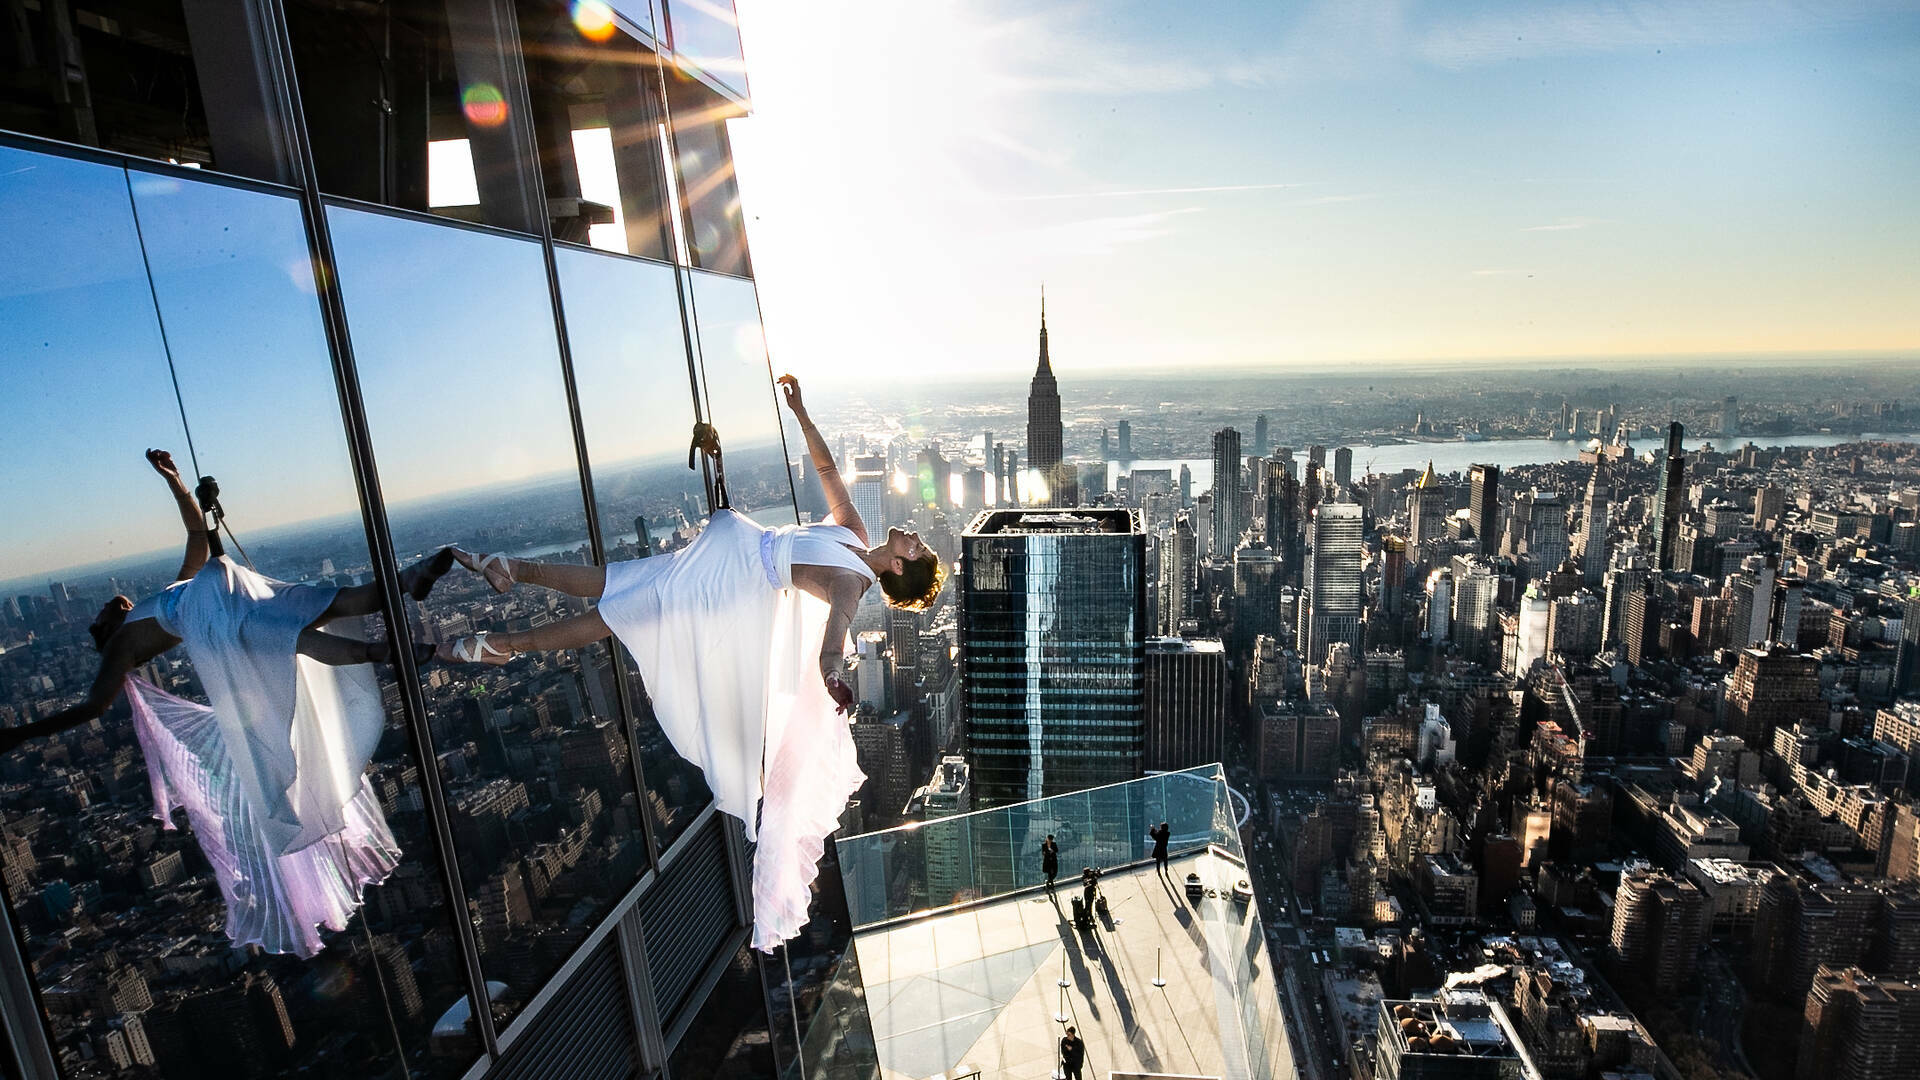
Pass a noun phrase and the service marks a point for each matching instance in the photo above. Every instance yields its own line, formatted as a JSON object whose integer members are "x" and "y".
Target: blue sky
{"x": 1320, "y": 183}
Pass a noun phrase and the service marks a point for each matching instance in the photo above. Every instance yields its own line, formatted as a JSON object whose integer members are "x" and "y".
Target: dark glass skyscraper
{"x": 1670, "y": 500}
{"x": 1226, "y": 492}
{"x": 1330, "y": 611}
{"x": 1283, "y": 519}
{"x": 1483, "y": 507}
{"x": 1053, "y": 651}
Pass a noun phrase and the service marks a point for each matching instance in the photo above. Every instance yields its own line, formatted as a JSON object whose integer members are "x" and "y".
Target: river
{"x": 1453, "y": 456}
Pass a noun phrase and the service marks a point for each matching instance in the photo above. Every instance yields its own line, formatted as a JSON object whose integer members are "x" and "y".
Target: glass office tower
{"x": 1053, "y": 650}
{"x": 398, "y": 276}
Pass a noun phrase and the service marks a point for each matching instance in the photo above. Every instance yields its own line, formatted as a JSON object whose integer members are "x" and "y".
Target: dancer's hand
{"x": 790, "y": 387}
{"x": 162, "y": 463}
{"x": 842, "y": 695}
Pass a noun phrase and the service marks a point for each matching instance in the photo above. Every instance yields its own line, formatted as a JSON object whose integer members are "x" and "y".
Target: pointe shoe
{"x": 497, "y": 569}
{"x": 419, "y": 579}
{"x": 473, "y": 649}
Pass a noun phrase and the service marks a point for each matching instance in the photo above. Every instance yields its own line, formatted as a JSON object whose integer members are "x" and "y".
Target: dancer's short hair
{"x": 917, "y": 585}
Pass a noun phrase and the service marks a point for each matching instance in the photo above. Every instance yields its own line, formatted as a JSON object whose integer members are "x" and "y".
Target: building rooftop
{"x": 1460, "y": 1024}
{"x": 1183, "y": 644}
{"x": 1078, "y": 520}
{"x": 1731, "y": 871}
{"x": 978, "y": 986}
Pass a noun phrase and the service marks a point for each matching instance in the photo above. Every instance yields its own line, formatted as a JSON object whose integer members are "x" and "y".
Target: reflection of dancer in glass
{"x": 270, "y": 773}
{"x": 739, "y": 638}
{"x": 129, "y": 634}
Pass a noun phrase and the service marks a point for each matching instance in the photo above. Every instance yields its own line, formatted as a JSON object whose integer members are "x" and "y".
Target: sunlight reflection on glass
{"x": 593, "y": 19}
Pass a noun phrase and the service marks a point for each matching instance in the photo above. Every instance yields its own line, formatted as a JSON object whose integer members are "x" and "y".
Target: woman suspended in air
{"x": 270, "y": 774}
{"x": 739, "y": 638}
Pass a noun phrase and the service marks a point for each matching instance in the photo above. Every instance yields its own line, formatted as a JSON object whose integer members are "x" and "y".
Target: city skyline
{"x": 1312, "y": 185}
{"x": 139, "y": 507}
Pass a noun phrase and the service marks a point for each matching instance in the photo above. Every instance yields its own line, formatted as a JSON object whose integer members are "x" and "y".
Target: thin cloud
{"x": 1563, "y": 225}
{"x": 1502, "y": 273}
{"x": 1151, "y": 191}
{"x": 1571, "y": 29}
{"x": 1329, "y": 200}
{"x": 1104, "y": 235}
{"x": 1356, "y": 39}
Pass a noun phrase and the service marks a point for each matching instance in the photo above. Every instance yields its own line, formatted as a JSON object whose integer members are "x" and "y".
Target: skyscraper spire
{"x": 1045, "y": 434}
{"x": 1046, "y": 365}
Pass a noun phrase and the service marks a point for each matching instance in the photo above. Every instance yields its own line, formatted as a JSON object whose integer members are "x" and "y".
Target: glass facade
{"x": 381, "y": 325}
{"x": 1053, "y": 651}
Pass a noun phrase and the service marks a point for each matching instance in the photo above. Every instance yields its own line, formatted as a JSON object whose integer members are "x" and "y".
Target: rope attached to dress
{"x": 208, "y": 496}
{"x": 713, "y": 472}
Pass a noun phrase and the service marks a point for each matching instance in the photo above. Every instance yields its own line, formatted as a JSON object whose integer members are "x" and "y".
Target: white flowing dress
{"x": 729, "y": 650}
{"x": 271, "y": 774}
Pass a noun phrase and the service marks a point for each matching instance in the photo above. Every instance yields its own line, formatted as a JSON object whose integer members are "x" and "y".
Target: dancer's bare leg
{"x": 575, "y": 633}
{"x": 584, "y": 581}
{"x": 416, "y": 581}
{"x": 337, "y": 651}
{"x": 503, "y": 573}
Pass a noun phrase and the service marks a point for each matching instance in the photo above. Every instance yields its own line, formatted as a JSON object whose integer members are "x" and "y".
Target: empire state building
{"x": 1044, "y": 436}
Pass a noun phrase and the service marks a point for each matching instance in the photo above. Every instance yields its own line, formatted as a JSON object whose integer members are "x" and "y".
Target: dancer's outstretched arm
{"x": 190, "y": 516}
{"x": 134, "y": 644}
{"x": 840, "y": 509}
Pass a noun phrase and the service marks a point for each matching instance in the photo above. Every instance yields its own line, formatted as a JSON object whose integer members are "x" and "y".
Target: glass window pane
{"x": 594, "y": 92}
{"x": 636, "y": 407}
{"x": 715, "y": 229}
{"x": 740, "y": 397}
{"x": 453, "y": 336}
{"x": 117, "y": 76}
{"x": 115, "y": 907}
{"x": 706, "y": 36}
{"x": 414, "y": 106}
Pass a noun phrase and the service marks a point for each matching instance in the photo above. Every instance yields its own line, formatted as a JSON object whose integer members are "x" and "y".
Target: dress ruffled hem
{"x": 278, "y": 902}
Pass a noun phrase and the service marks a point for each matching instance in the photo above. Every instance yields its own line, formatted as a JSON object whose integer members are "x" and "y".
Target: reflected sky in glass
{"x": 236, "y": 290}
{"x": 453, "y": 337}
{"x": 706, "y": 34}
{"x": 87, "y": 384}
{"x": 629, "y": 359}
{"x": 740, "y": 401}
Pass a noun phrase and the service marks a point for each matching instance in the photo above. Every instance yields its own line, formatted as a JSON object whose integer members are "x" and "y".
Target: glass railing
{"x": 839, "y": 1038}
{"x": 920, "y": 869}
{"x": 966, "y": 858}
